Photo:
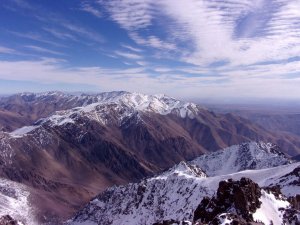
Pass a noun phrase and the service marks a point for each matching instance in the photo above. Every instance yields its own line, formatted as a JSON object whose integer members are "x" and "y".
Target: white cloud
{"x": 83, "y": 32}
{"x": 128, "y": 55}
{"x": 152, "y": 41}
{"x": 236, "y": 48}
{"x": 240, "y": 32}
{"x": 5, "y": 50}
{"x": 36, "y": 37}
{"x": 43, "y": 50}
{"x": 60, "y": 34}
{"x": 213, "y": 27}
{"x": 136, "y": 79}
{"x": 132, "y": 48}
{"x": 130, "y": 14}
{"x": 90, "y": 9}
{"x": 142, "y": 63}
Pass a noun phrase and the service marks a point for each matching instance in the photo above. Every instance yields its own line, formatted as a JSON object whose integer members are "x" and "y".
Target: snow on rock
{"x": 60, "y": 119}
{"x": 252, "y": 155}
{"x": 147, "y": 202}
{"x": 159, "y": 103}
{"x": 115, "y": 107}
{"x": 224, "y": 219}
{"x": 269, "y": 211}
{"x": 14, "y": 201}
{"x": 182, "y": 169}
{"x": 6, "y": 151}
{"x": 172, "y": 195}
{"x": 289, "y": 182}
{"x": 22, "y": 131}
{"x": 149, "y": 103}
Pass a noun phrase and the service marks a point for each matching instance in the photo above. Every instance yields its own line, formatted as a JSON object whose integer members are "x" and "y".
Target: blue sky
{"x": 194, "y": 48}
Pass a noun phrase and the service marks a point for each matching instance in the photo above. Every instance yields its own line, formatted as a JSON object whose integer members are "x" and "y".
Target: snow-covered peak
{"x": 246, "y": 156}
{"x": 115, "y": 107}
{"x": 159, "y": 103}
{"x": 182, "y": 169}
{"x": 43, "y": 94}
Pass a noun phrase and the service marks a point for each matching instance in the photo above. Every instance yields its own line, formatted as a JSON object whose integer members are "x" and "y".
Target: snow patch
{"x": 269, "y": 212}
{"x": 22, "y": 131}
{"x": 224, "y": 219}
{"x": 14, "y": 201}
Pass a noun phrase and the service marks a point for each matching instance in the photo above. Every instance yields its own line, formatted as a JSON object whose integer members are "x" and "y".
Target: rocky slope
{"x": 211, "y": 131}
{"x": 243, "y": 202}
{"x": 15, "y": 206}
{"x": 175, "y": 194}
{"x": 106, "y": 139}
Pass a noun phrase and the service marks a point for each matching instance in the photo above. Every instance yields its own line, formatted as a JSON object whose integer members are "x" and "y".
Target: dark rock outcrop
{"x": 172, "y": 222}
{"x": 237, "y": 197}
{"x": 295, "y": 202}
{"x": 8, "y": 220}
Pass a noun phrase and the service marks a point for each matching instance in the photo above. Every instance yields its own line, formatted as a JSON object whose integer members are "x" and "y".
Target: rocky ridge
{"x": 174, "y": 195}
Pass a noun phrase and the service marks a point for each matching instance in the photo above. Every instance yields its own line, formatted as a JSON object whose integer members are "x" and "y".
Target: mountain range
{"x": 65, "y": 149}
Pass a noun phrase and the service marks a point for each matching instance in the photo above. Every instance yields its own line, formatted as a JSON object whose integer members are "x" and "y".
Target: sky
{"x": 209, "y": 49}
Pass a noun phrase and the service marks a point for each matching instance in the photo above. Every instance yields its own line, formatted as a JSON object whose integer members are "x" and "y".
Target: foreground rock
{"x": 243, "y": 202}
{"x": 239, "y": 196}
{"x": 173, "y": 197}
{"x": 8, "y": 220}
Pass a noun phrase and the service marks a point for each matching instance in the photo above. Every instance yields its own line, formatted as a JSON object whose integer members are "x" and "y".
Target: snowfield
{"x": 175, "y": 194}
{"x": 269, "y": 209}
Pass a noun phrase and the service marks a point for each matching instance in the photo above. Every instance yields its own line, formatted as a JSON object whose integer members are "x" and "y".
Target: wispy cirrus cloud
{"x": 60, "y": 34}
{"x": 85, "y": 6}
{"x": 196, "y": 47}
{"x": 36, "y": 37}
{"x": 83, "y": 32}
{"x": 239, "y": 32}
{"x": 43, "y": 50}
{"x": 5, "y": 50}
{"x": 130, "y": 14}
{"x": 128, "y": 55}
{"x": 15, "y": 4}
{"x": 152, "y": 41}
{"x": 61, "y": 27}
{"x": 132, "y": 48}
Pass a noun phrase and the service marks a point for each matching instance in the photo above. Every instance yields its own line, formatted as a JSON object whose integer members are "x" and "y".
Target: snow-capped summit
{"x": 114, "y": 107}
{"x": 159, "y": 103}
{"x": 246, "y": 156}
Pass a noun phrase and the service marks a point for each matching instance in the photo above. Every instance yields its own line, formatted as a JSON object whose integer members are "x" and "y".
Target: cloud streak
{"x": 5, "y": 50}
{"x": 89, "y": 9}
